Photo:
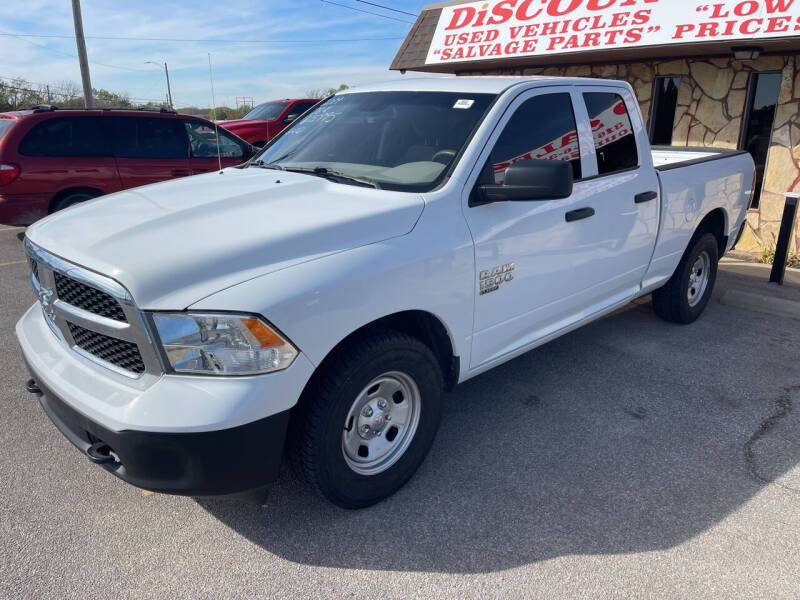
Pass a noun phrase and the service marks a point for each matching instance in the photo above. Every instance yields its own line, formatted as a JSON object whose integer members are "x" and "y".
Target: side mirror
{"x": 530, "y": 180}
{"x": 290, "y": 117}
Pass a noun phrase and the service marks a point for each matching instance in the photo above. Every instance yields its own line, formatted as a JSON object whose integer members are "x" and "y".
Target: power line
{"x": 386, "y": 7}
{"x": 212, "y": 40}
{"x": 23, "y": 36}
{"x": 369, "y": 12}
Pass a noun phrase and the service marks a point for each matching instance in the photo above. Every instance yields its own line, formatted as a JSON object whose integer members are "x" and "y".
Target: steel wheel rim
{"x": 698, "y": 279}
{"x": 381, "y": 423}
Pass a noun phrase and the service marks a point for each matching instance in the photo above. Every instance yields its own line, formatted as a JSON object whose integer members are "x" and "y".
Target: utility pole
{"x": 169, "y": 91}
{"x": 82, "y": 59}
{"x": 166, "y": 74}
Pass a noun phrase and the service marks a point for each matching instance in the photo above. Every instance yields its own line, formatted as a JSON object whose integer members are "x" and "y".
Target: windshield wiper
{"x": 266, "y": 165}
{"x": 334, "y": 176}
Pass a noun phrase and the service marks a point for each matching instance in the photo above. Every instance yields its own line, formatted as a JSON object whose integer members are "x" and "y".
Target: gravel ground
{"x": 632, "y": 458}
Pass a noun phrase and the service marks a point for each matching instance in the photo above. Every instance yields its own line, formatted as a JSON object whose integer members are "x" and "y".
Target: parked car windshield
{"x": 401, "y": 141}
{"x": 266, "y": 112}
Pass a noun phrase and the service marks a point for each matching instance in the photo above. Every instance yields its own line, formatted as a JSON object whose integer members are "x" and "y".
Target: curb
{"x": 761, "y": 303}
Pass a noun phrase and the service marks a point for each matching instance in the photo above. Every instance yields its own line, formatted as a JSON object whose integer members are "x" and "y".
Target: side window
{"x": 298, "y": 109}
{"x": 66, "y": 136}
{"x": 143, "y": 137}
{"x": 614, "y": 140}
{"x": 542, "y": 128}
{"x": 203, "y": 142}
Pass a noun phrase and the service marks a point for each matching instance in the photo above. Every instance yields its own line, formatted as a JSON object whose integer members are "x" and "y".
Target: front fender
{"x": 319, "y": 303}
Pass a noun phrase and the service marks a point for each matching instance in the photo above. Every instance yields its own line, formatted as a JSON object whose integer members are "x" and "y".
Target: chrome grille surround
{"x": 58, "y": 314}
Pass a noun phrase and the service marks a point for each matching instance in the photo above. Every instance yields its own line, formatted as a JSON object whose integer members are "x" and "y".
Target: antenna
{"x": 214, "y": 110}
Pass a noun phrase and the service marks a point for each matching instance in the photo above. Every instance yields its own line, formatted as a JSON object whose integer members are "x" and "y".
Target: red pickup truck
{"x": 267, "y": 120}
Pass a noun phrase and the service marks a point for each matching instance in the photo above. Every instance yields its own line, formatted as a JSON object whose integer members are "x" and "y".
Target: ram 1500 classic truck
{"x": 394, "y": 241}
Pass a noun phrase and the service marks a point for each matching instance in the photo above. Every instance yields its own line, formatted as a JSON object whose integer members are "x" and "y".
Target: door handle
{"x": 645, "y": 197}
{"x": 581, "y": 213}
{"x": 180, "y": 172}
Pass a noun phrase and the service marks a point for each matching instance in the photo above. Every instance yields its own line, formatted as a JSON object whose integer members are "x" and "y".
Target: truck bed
{"x": 672, "y": 157}
{"x": 694, "y": 182}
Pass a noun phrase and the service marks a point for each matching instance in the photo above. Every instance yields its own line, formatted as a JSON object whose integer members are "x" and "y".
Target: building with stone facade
{"x": 740, "y": 89}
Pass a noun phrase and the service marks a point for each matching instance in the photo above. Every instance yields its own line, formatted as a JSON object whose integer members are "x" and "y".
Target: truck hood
{"x": 171, "y": 244}
{"x": 238, "y": 124}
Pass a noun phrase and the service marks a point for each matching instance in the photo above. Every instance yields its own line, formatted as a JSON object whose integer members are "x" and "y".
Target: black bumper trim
{"x": 210, "y": 463}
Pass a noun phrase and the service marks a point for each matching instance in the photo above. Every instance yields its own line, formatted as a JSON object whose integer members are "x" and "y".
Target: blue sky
{"x": 263, "y": 71}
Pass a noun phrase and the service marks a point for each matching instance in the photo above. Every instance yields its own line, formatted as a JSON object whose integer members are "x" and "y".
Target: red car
{"x": 52, "y": 158}
{"x": 267, "y": 120}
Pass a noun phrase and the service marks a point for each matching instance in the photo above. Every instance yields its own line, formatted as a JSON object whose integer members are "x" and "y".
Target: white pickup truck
{"x": 394, "y": 241}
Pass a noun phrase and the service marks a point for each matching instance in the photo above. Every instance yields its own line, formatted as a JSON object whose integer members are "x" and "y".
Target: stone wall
{"x": 711, "y": 104}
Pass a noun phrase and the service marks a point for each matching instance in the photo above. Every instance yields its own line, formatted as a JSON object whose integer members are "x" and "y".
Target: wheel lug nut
{"x": 365, "y": 429}
{"x": 381, "y": 403}
{"x": 388, "y": 417}
{"x": 367, "y": 412}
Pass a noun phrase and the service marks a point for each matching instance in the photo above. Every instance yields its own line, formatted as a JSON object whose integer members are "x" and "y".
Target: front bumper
{"x": 208, "y": 463}
{"x": 172, "y": 433}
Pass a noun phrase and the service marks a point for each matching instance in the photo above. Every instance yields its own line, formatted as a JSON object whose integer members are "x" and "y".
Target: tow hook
{"x": 32, "y": 387}
{"x": 100, "y": 453}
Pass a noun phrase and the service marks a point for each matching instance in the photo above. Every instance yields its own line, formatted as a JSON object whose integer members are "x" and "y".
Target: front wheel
{"x": 685, "y": 296}
{"x": 366, "y": 423}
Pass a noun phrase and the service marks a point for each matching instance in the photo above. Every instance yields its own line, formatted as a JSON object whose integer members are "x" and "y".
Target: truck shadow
{"x": 629, "y": 435}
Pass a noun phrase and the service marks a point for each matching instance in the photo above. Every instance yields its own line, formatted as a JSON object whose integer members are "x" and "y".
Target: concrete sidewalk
{"x": 746, "y": 285}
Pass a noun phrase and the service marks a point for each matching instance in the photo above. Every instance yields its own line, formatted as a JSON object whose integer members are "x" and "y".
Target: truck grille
{"x": 88, "y": 298}
{"x": 93, "y": 315}
{"x": 123, "y": 354}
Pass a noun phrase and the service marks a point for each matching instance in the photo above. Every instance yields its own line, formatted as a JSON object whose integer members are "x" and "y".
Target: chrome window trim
{"x": 135, "y": 330}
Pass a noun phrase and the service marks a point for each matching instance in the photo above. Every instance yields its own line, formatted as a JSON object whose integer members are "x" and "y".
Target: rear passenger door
{"x": 69, "y": 151}
{"x": 205, "y": 154}
{"x": 150, "y": 149}
{"x": 627, "y": 185}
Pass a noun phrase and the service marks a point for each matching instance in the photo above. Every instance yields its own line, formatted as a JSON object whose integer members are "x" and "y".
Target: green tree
{"x": 325, "y": 92}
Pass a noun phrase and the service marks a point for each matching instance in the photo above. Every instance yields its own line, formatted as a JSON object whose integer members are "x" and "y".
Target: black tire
{"x": 671, "y": 302}
{"x": 71, "y": 199}
{"x": 319, "y": 421}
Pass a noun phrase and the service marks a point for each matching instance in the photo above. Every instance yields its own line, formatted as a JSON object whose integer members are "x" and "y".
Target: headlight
{"x": 219, "y": 344}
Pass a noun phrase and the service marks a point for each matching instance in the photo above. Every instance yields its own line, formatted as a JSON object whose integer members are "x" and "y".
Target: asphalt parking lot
{"x": 632, "y": 458}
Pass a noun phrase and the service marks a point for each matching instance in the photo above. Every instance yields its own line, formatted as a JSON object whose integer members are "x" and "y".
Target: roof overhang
{"x": 496, "y": 33}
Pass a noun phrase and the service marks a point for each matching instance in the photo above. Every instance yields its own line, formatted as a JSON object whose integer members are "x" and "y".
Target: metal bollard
{"x": 784, "y": 237}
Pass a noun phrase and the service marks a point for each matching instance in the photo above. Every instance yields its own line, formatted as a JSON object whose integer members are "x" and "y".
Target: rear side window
{"x": 542, "y": 128}
{"x": 5, "y": 126}
{"x": 614, "y": 140}
{"x": 65, "y": 136}
{"x": 143, "y": 137}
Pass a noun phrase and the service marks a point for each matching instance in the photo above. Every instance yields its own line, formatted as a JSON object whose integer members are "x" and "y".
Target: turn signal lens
{"x": 222, "y": 344}
{"x": 263, "y": 334}
{"x": 8, "y": 173}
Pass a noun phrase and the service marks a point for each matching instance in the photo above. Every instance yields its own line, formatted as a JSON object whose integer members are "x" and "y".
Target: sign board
{"x": 496, "y": 29}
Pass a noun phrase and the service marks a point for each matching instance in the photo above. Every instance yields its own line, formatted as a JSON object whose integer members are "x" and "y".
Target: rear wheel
{"x": 367, "y": 421}
{"x": 685, "y": 296}
{"x": 70, "y": 199}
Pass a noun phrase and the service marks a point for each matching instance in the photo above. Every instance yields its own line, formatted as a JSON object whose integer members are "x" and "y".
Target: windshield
{"x": 266, "y": 112}
{"x": 401, "y": 141}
